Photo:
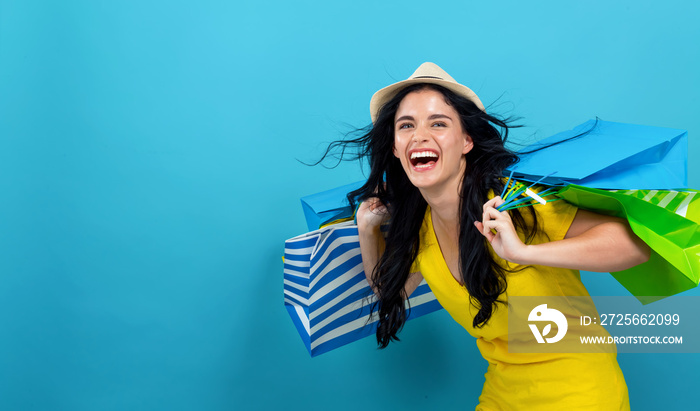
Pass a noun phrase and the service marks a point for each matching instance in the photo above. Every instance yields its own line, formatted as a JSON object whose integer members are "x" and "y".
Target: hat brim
{"x": 381, "y": 97}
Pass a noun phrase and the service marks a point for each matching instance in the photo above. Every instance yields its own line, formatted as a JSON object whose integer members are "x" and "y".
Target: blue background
{"x": 149, "y": 176}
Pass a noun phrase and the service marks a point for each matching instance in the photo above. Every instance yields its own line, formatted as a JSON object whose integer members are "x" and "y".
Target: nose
{"x": 420, "y": 134}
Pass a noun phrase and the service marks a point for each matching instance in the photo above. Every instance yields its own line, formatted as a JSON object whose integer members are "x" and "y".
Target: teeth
{"x": 418, "y": 154}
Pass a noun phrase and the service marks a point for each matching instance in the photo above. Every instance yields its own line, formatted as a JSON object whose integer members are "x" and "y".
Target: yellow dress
{"x": 527, "y": 381}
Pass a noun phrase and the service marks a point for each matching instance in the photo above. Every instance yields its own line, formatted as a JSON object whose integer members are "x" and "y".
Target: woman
{"x": 436, "y": 161}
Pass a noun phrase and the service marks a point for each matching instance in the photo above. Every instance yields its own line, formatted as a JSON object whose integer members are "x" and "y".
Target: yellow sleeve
{"x": 555, "y": 218}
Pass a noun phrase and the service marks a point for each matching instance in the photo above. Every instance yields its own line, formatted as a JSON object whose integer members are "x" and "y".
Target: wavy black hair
{"x": 483, "y": 277}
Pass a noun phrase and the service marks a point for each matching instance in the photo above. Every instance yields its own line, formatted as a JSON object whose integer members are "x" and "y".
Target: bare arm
{"x": 594, "y": 242}
{"x": 370, "y": 215}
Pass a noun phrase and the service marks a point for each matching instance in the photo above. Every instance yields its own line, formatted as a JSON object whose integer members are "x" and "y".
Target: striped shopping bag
{"x": 326, "y": 292}
{"x": 684, "y": 203}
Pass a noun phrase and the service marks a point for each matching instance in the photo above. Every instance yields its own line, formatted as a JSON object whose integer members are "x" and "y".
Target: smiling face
{"x": 429, "y": 141}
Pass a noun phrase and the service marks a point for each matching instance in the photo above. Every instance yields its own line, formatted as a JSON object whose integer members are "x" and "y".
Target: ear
{"x": 468, "y": 144}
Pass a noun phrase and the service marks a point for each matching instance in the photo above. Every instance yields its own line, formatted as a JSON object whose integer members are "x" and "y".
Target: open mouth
{"x": 423, "y": 159}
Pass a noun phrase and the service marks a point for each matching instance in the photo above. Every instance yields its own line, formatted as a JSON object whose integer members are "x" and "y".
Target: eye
{"x": 405, "y": 125}
{"x": 439, "y": 124}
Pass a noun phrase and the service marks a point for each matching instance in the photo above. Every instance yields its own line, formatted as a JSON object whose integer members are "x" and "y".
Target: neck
{"x": 444, "y": 205}
{"x": 444, "y": 202}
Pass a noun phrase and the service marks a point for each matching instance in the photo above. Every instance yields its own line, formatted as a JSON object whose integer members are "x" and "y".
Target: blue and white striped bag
{"x": 326, "y": 292}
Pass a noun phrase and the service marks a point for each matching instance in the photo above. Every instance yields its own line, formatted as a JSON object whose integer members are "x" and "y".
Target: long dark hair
{"x": 483, "y": 277}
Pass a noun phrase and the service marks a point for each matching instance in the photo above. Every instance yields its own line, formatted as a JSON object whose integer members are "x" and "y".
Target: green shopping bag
{"x": 668, "y": 221}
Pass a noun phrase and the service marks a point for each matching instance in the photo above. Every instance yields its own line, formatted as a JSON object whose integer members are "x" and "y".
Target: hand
{"x": 371, "y": 214}
{"x": 498, "y": 229}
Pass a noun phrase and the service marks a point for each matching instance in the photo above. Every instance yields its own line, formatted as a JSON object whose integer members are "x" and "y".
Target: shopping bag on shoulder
{"x": 667, "y": 220}
{"x": 610, "y": 156}
{"x": 327, "y": 294}
{"x": 327, "y": 206}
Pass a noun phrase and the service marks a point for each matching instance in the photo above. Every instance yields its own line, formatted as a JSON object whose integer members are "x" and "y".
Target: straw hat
{"x": 426, "y": 73}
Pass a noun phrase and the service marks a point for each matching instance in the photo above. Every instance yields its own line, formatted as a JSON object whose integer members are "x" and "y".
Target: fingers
{"x": 493, "y": 203}
{"x": 492, "y": 220}
{"x": 497, "y": 227}
{"x": 375, "y": 205}
{"x": 370, "y": 202}
{"x": 491, "y": 213}
{"x": 490, "y": 228}
{"x": 484, "y": 231}
{"x": 494, "y": 227}
{"x": 371, "y": 213}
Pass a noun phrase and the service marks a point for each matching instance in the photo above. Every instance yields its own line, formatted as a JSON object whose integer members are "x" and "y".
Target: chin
{"x": 422, "y": 182}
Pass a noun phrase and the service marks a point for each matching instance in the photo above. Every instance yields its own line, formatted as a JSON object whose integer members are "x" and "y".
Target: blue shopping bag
{"x": 327, "y": 206}
{"x": 611, "y": 156}
{"x": 327, "y": 294}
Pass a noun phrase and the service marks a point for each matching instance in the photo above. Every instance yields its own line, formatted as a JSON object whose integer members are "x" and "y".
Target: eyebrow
{"x": 431, "y": 117}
